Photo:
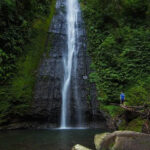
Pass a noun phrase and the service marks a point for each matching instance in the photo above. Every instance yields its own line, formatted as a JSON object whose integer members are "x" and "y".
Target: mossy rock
{"x": 122, "y": 140}
{"x": 134, "y": 125}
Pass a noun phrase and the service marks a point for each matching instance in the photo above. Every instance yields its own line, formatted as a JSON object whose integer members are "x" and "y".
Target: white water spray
{"x": 68, "y": 60}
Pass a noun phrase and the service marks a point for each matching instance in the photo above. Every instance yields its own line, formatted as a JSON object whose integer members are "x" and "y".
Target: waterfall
{"x": 64, "y": 97}
{"x": 70, "y": 61}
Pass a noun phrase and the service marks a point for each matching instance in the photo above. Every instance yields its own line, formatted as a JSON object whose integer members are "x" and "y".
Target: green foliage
{"x": 135, "y": 8}
{"x": 118, "y": 42}
{"x": 16, "y": 18}
{"x": 112, "y": 110}
{"x": 16, "y": 92}
{"x": 24, "y": 81}
{"x": 134, "y": 125}
{"x": 137, "y": 96}
{"x": 139, "y": 93}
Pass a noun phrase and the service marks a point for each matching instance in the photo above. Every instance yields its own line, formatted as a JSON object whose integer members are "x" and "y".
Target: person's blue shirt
{"x": 122, "y": 96}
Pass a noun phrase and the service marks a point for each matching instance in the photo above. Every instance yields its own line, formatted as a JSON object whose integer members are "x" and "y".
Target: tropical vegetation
{"x": 23, "y": 32}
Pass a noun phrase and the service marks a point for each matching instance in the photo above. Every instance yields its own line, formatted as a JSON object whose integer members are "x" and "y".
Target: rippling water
{"x": 47, "y": 139}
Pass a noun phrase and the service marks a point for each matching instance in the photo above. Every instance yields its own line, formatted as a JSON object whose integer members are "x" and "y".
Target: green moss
{"x": 134, "y": 125}
{"x": 123, "y": 125}
{"x": 20, "y": 110}
{"x": 112, "y": 110}
{"x": 27, "y": 66}
{"x": 18, "y": 95}
{"x": 23, "y": 83}
{"x": 4, "y": 107}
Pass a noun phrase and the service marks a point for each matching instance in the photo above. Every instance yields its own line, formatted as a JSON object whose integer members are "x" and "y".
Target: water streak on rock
{"x": 70, "y": 60}
{"x": 63, "y": 75}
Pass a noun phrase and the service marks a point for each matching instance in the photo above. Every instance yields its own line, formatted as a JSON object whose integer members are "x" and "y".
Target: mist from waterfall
{"x": 70, "y": 63}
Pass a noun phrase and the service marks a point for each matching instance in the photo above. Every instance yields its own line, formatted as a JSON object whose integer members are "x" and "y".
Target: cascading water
{"x": 70, "y": 60}
{"x": 62, "y": 83}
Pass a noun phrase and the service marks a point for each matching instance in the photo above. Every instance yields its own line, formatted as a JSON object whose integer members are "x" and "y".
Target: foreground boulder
{"x": 80, "y": 147}
{"x": 122, "y": 140}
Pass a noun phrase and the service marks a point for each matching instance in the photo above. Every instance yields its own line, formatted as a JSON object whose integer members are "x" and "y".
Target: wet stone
{"x": 48, "y": 95}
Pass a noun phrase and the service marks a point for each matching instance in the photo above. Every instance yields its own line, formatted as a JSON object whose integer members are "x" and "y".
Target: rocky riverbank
{"x": 119, "y": 140}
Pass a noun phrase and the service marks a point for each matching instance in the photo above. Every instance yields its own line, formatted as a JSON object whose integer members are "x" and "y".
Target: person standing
{"x": 122, "y": 98}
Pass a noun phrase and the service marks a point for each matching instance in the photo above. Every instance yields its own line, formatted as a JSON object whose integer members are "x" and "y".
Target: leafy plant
{"x": 119, "y": 46}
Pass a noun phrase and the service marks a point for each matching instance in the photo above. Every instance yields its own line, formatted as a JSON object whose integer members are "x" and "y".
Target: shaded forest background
{"x": 23, "y": 32}
{"x": 118, "y": 35}
{"x": 119, "y": 43}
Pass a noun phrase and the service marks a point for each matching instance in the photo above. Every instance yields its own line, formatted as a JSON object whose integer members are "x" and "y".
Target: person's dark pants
{"x": 122, "y": 101}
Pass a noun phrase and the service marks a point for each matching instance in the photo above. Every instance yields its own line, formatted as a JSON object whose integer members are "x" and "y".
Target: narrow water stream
{"x": 70, "y": 61}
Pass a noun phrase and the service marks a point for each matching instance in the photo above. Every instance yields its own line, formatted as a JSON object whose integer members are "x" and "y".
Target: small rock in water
{"x": 80, "y": 147}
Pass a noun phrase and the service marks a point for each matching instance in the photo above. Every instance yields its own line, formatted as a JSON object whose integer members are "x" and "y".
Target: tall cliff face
{"x": 48, "y": 96}
{"x": 47, "y": 99}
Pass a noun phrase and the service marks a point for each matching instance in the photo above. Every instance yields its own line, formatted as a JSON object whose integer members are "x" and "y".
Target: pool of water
{"x": 47, "y": 139}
